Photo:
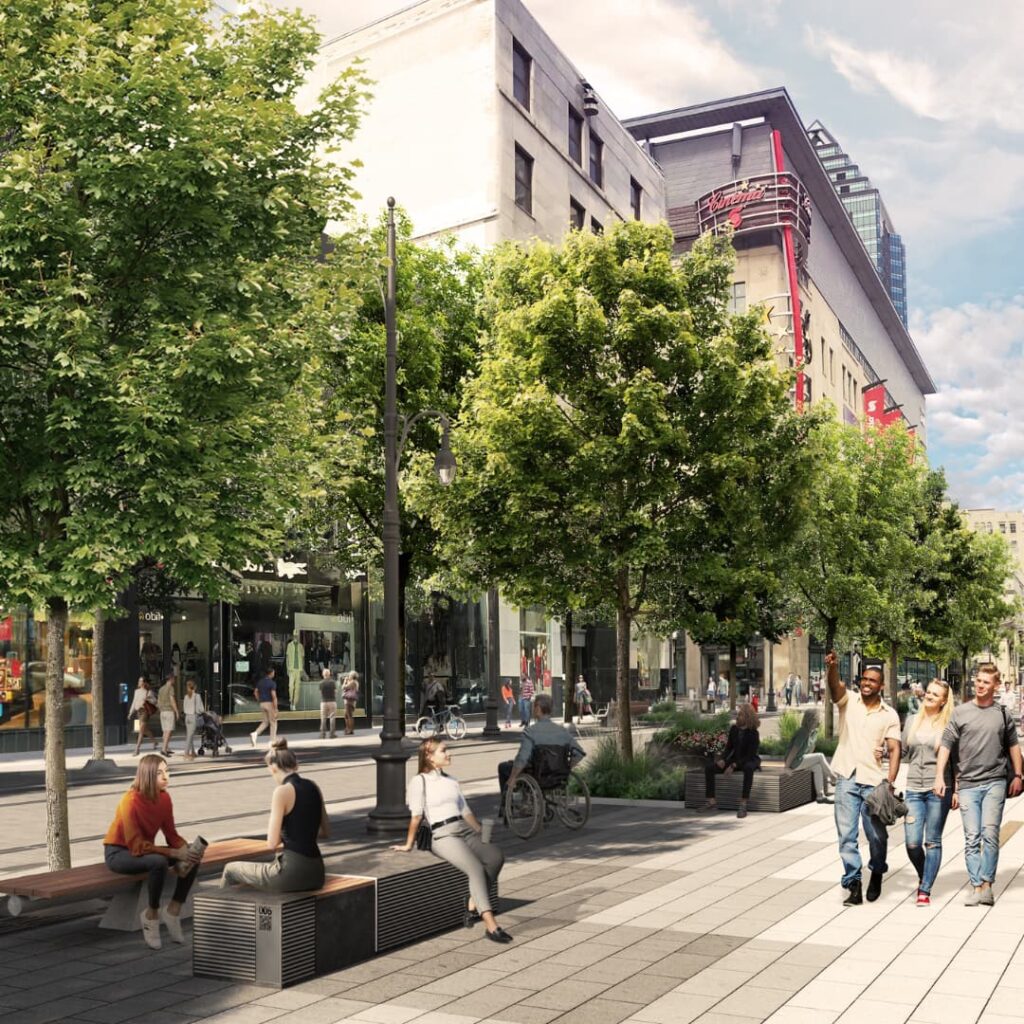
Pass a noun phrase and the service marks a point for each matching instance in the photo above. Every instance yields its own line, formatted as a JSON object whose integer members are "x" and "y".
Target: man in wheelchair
{"x": 546, "y": 750}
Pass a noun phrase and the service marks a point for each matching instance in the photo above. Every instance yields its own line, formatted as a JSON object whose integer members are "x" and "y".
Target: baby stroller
{"x": 210, "y": 733}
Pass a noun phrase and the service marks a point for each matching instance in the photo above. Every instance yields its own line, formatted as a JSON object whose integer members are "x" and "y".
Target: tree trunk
{"x": 733, "y": 687}
{"x": 623, "y": 617}
{"x": 893, "y": 684}
{"x": 99, "y": 631}
{"x": 58, "y": 841}
{"x": 568, "y": 672}
{"x": 826, "y": 693}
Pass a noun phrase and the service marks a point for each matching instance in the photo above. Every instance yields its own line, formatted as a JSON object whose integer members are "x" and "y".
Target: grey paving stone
{"x": 520, "y": 1013}
{"x": 382, "y": 989}
{"x": 565, "y": 996}
{"x": 52, "y": 1010}
{"x": 486, "y": 1002}
{"x": 681, "y": 965}
{"x": 223, "y": 999}
{"x": 600, "y": 1011}
{"x": 640, "y": 989}
{"x": 612, "y": 970}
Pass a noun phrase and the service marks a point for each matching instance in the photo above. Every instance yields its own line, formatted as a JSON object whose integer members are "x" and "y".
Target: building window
{"x": 575, "y": 137}
{"x": 1002, "y": 527}
{"x": 596, "y": 226}
{"x": 577, "y": 215}
{"x": 831, "y": 366}
{"x": 596, "y": 160}
{"x": 738, "y": 298}
{"x": 1013, "y": 527}
{"x": 524, "y": 180}
{"x": 636, "y": 197}
{"x": 522, "y": 63}
{"x": 808, "y": 391}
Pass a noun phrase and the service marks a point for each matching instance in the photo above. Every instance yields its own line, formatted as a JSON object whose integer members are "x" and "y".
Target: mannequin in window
{"x": 294, "y": 659}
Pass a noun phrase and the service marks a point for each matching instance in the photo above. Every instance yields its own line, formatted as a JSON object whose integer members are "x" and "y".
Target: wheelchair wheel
{"x": 524, "y": 807}
{"x": 455, "y": 727}
{"x": 572, "y": 802}
{"x": 426, "y": 727}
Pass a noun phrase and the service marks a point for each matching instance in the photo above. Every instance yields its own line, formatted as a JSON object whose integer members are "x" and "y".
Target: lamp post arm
{"x": 409, "y": 421}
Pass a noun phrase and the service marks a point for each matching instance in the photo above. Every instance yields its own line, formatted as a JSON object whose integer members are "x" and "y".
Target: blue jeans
{"x": 981, "y": 808}
{"x": 923, "y": 825}
{"x": 851, "y": 809}
{"x": 525, "y": 710}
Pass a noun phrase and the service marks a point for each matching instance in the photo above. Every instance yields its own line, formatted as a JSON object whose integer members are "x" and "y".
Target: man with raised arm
{"x": 867, "y": 726}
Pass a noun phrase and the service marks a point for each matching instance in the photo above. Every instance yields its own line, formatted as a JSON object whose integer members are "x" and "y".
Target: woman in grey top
{"x": 926, "y": 812}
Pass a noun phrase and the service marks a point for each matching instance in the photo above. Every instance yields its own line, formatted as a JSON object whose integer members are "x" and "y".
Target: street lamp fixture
{"x": 391, "y": 813}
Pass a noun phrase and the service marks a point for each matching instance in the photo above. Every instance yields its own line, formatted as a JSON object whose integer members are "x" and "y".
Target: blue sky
{"x": 928, "y": 97}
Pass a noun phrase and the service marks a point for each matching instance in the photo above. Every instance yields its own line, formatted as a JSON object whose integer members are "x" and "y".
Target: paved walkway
{"x": 651, "y": 915}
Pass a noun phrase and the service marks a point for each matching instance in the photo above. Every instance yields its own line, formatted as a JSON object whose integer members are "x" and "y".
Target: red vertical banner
{"x": 7, "y": 628}
{"x": 891, "y": 416}
{"x": 874, "y": 405}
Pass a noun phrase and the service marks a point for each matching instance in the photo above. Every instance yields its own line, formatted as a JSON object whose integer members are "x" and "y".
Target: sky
{"x": 926, "y": 95}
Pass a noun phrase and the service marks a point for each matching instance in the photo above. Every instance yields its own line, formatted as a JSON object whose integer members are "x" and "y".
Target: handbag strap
{"x": 426, "y": 817}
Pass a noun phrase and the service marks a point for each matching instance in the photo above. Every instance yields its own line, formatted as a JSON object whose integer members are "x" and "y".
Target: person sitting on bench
{"x": 128, "y": 847}
{"x": 542, "y": 733}
{"x": 741, "y": 751}
{"x": 298, "y": 816}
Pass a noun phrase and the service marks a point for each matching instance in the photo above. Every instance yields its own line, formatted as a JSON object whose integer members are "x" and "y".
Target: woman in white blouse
{"x": 192, "y": 707}
{"x": 455, "y": 832}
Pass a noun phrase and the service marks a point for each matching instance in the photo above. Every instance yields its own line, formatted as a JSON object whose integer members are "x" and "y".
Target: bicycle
{"x": 549, "y": 788}
{"x": 449, "y": 721}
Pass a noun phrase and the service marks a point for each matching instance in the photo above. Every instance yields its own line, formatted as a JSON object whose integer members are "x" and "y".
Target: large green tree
{"x": 618, "y": 402}
{"x": 161, "y": 204}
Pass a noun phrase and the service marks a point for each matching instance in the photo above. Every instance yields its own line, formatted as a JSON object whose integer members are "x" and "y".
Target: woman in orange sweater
{"x": 128, "y": 847}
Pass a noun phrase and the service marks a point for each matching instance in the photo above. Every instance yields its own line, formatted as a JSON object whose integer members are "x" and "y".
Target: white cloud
{"x": 647, "y": 55}
{"x": 981, "y": 83}
{"x": 976, "y": 353}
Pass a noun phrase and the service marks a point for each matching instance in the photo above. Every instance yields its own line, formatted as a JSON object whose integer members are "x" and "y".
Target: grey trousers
{"x": 190, "y": 734}
{"x": 289, "y": 872}
{"x": 481, "y": 862}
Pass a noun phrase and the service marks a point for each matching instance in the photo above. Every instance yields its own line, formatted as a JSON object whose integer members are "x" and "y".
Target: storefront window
{"x": 534, "y": 661}
{"x": 23, "y": 670}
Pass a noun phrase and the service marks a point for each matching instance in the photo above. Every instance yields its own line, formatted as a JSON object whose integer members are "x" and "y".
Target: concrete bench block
{"x": 774, "y": 789}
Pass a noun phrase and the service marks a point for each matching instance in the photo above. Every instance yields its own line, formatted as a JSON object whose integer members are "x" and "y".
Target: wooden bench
{"x": 374, "y": 901}
{"x": 775, "y": 789}
{"x": 91, "y": 881}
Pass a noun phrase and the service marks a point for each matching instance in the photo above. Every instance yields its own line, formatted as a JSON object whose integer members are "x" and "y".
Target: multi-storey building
{"x": 867, "y": 211}
{"x": 747, "y": 165}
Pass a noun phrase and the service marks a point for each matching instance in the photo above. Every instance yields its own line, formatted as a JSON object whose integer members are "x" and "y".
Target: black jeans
{"x": 121, "y": 861}
{"x": 711, "y": 770}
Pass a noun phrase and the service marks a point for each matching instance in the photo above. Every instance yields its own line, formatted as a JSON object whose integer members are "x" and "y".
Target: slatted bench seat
{"x": 91, "y": 881}
{"x": 372, "y": 902}
{"x": 774, "y": 789}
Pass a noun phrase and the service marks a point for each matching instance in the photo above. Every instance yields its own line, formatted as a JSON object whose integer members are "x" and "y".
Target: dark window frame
{"x": 596, "y": 226}
{"x": 574, "y": 134}
{"x": 577, "y": 214}
{"x": 522, "y": 87}
{"x": 636, "y": 197}
{"x": 596, "y": 159}
{"x": 525, "y": 186}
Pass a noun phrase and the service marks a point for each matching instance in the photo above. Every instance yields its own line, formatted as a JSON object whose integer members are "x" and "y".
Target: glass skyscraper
{"x": 867, "y": 211}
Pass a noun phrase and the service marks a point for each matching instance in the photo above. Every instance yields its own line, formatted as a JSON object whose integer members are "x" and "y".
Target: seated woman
{"x": 128, "y": 847}
{"x": 801, "y": 754}
{"x": 741, "y": 751}
{"x": 455, "y": 832}
{"x": 298, "y": 816}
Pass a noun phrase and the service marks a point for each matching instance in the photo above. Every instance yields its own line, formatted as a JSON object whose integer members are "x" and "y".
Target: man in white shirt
{"x": 866, "y": 726}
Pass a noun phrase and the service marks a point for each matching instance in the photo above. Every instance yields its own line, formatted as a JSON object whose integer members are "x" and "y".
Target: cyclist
{"x": 434, "y": 698}
{"x": 543, "y": 732}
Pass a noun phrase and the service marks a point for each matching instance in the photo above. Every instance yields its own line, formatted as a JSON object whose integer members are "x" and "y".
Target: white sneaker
{"x": 172, "y": 922}
{"x": 151, "y": 931}
{"x": 252, "y": 738}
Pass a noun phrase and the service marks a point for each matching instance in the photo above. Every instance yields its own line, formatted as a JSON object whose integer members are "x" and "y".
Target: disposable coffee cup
{"x": 486, "y": 829}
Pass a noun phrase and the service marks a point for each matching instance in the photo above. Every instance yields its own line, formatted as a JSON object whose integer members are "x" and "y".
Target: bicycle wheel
{"x": 572, "y": 802}
{"x": 455, "y": 727}
{"x": 524, "y": 807}
{"x": 426, "y": 727}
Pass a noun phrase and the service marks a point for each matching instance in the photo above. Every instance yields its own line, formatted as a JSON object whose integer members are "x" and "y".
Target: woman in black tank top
{"x": 298, "y": 817}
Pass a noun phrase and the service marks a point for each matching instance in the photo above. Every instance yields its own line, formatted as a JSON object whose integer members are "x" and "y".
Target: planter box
{"x": 774, "y": 789}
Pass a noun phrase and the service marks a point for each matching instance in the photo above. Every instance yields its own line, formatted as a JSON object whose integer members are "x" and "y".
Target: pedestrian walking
{"x": 350, "y": 695}
{"x": 712, "y": 694}
{"x": 985, "y": 740}
{"x": 298, "y": 817}
{"x": 819, "y": 688}
{"x": 867, "y": 726}
{"x": 129, "y": 848}
{"x": 142, "y": 708}
{"x": 525, "y": 701}
{"x": 509, "y": 699}
{"x": 926, "y": 810}
{"x": 584, "y": 702}
{"x": 788, "y": 691}
{"x": 741, "y": 753}
{"x": 167, "y": 704}
{"x": 266, "y": 696}
{"x": 328, "y": 703}
{"x": 192, "y": 707}
{"x": 436, "y": 797}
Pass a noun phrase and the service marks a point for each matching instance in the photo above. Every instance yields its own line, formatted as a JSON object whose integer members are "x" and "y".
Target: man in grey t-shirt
{"x": 982, "y": 733}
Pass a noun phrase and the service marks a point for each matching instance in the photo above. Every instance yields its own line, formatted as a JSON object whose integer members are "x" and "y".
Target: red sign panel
{"x": 874, "y": 405}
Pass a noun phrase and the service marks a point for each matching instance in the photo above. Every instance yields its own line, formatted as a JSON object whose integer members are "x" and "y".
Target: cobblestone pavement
{"x": 650, "y": 915}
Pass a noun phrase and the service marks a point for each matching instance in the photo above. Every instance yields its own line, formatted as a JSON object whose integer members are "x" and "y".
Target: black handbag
{"x": 424, "y": 838}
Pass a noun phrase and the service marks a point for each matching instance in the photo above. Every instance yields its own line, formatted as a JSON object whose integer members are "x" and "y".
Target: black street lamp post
{"x": 493, "y": 666}
{"x": 391, "y": 813}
